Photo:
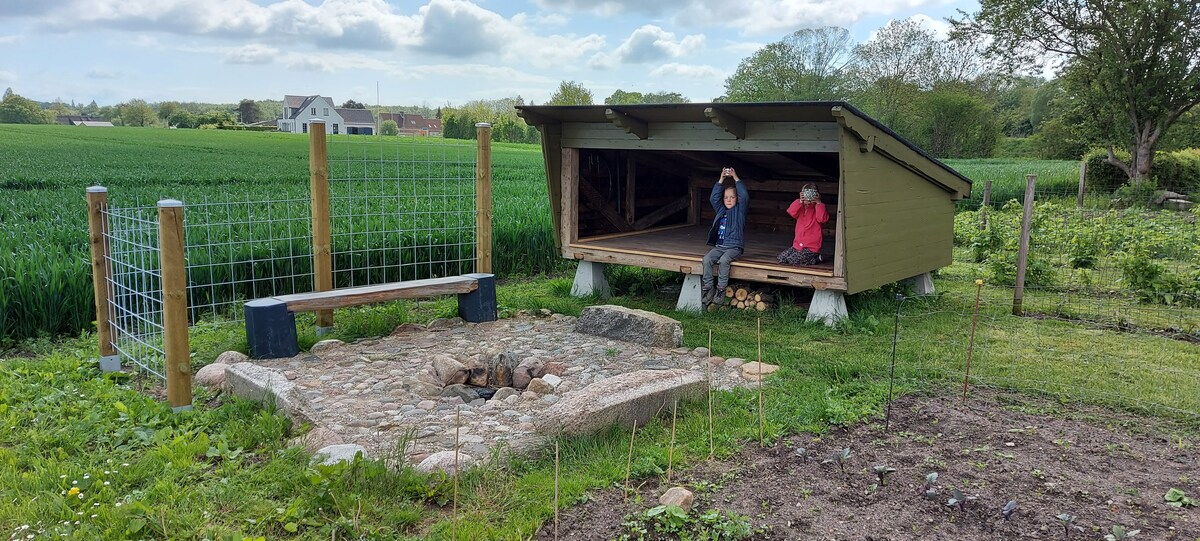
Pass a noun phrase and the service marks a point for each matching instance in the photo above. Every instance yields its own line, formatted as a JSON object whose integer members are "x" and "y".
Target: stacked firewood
{"x": 744, "y": 297}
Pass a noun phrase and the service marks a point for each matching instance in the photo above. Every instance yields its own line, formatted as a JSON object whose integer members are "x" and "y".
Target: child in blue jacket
{"x": 730, "y": 200}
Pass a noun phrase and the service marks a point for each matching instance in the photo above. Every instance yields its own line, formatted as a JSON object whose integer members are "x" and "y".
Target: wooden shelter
{"x": 629, "y": 184}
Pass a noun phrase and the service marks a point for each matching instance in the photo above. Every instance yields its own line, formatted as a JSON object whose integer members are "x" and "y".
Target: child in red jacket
{"x": 810, "y": 214}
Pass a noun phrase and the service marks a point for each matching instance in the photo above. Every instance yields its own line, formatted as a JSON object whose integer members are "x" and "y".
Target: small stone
{"x": 540, "y": 386}
{"x": 444, "y": 461}
{"x": 1009, "y": 444}
{"x": 231, "y": 357}
{"x": 552, "y": 379}
{"x": 678, "y": 496}
{"x": 326, "y": 345}
{"x": 701, "y": 352}
{"x": 213, "y": 375}
{"x": 408, "y": 328}
{"x": 505, "y": 392}
{"x": 316, "y": 439}
{"x": 339, "y": 453}
{"x": 529, "y": 395}
{"x": 755, "y": 370}
{"x": 716, "y": 361}
{"x": 550, "y": 398}
{"x": 448, "y": 370}
{"x": 427, "y": 405}
{"x": 734, "y": 362}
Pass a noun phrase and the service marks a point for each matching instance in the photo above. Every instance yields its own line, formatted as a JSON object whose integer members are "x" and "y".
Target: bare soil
{"x": 1104, "y": 468}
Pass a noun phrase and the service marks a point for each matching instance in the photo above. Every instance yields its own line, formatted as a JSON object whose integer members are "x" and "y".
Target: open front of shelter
{"x": 630, "y": 185}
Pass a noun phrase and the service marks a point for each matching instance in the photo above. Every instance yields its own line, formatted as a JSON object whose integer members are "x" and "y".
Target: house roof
{"x": 95, "y": 123}
{"x": 797, "y": 111}
{"x": 294, "y": 101}
{"x": 356, "y": 116}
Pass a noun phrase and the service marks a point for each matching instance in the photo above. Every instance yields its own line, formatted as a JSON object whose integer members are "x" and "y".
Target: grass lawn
{"x": 223, "y": 471}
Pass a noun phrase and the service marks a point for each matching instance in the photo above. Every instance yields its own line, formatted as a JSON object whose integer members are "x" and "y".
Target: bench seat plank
{"x": 354, "y": 296}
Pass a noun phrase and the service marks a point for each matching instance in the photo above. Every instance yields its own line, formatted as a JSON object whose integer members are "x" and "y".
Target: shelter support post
{"x": 827, "y": 306}
{"x": 589, "y": 280}
{"x": 921, "y": 284}
{"x": 689, "y": 296}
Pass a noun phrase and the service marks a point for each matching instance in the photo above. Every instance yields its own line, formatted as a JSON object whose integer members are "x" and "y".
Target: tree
{"x": 15, "y": 109}
{"x": 182, "y": 118}
{"x": 215, "y": 117}
{"x": 955, "y": 123}
{"x": 1133, "y": 65}
{"x": 167, "y": 108}
{"x": 571, "y": 93}
{"x": 389, "y": 127}
{"x": 247, "y": 111}
{"x": 137, "y": 112}
{"x": 621, "y": 97}
{"x": 351, "y": 104}
{"x": 808, "y": 64}
{"x": 894, "y": 67}
{"x": 664, "y": 97}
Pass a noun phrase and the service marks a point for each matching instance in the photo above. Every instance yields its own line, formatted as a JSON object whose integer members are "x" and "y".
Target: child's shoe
{"x": 707, "y": 294}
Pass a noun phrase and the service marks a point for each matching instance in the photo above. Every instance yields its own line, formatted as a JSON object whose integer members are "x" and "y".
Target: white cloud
{"x": 254, "y": 53}
{"x": 102, "y": 73}
{"x": 649, "y": 43}
{"x": 693, "y": 71}
{"x": 939, "y": 27}
{"x": 305, "y": 63}
{"x": 746, "y": 17}
{"x": 9, "y": 39}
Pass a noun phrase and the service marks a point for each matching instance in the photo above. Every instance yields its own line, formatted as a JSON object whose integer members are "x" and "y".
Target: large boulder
{"x": 260, "y": 384}
{"x": 444, "y": 461}
{"x": 630, "y": 325}
{"x": 625, "y": 399}
{"x": 449, "y": 371}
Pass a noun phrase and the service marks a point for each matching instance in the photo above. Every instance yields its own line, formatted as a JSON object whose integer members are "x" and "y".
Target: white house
{"x": 298, "y": 111}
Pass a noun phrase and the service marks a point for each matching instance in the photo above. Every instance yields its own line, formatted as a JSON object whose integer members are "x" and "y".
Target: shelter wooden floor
{"x": 689, "y": 243}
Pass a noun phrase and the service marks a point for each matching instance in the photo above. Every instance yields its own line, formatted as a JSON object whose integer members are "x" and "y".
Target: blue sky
{"x": 428, "y": 52}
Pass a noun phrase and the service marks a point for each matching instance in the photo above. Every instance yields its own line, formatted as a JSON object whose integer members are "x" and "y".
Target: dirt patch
{"x": 1102, "y": 467}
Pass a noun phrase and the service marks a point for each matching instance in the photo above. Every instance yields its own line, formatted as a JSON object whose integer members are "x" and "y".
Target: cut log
{"x": 729, "y": 291}
{"x": 741, "y": 294}
{"x": 760, "y": 306}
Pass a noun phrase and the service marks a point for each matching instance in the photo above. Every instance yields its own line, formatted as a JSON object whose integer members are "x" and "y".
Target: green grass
{"x": 1057, "y": 177}
{"x": 224, "y": 470}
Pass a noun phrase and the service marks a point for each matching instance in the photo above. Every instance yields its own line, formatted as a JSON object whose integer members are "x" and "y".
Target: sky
{"x": 400, "y": 52}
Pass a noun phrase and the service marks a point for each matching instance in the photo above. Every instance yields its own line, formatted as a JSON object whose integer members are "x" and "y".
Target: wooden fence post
{"x": 983, "y": 208}
{"x": 97, "y": 202}
{"x": 318, "y": 187}
{"x": 1023, "y": 253}
{"x": 178, "y": 364}
{"x": 1082, "y": 180}
{"x": 483, "y": 198}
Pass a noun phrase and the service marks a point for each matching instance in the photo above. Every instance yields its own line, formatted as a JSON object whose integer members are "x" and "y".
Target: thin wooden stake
{"x": 1023, "y": 250}
{"x": 710, "y": 393}
{"x": 483, "y": 197}
{"x": 556, "y": 489}
{"x": 761, "y": 441}
{"x": 671, "y": 447}
{"x": 971, "y": 345}
{"x": 454, "y": 513}
{"x": 629, "y": 459}
{"x": 983, "y": 208}
{"x": 1082, "y": 181}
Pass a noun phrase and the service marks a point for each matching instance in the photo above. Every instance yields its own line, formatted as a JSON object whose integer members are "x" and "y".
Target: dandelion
{"x": 74, "y": 491}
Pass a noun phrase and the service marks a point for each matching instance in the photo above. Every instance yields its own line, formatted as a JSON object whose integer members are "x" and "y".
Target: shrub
{"x": 1101, "y": 175}
{"x": 1038, "y": 271}
{"x": 389, "y": 127}
{"x": 1178, "y": 171}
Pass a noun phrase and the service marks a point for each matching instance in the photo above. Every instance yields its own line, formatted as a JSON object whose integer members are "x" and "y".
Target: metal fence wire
{"x": 134, "y": 286}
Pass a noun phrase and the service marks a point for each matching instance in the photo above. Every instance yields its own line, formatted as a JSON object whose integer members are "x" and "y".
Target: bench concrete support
{"x": 689, "y": 296}
{"x": 921, "y": 284}
{"x": 480, "y": 305}
{"x": 270, "y": 329}
{"x": 828, "y": 306}
{"x": 589, "y": 280}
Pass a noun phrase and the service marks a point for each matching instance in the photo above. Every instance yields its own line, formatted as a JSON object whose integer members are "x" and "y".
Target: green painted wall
{"x": 897, "y": 224}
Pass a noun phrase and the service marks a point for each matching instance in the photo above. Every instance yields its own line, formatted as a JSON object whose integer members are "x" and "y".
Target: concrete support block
{"x": 480, "y": 305}
{"x": 270, "y": 329}
{"x": 921, "y": 284}
{"x": 689, "y": 296}
{"x": 589, "y": 280}
{"x": 827, "y": 306}
{"x": 110, "y": 363}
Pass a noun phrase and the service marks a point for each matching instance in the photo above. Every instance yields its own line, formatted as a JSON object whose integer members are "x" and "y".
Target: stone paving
{"x": 372, "y": 392}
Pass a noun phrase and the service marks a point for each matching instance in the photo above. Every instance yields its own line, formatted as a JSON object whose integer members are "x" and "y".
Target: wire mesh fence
{"x": 400, "y": 212}
{"x": 134, "y": 286}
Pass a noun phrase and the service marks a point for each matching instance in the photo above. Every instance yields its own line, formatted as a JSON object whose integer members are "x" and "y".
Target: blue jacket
{"x": 735, "y": 227}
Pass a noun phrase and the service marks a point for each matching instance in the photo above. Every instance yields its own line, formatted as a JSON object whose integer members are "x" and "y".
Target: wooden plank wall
{"x": 898, "y": 224}
{"x": 705, "y": 136}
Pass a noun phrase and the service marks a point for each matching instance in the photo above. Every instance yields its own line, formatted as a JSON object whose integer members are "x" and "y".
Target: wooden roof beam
{"x": 744, "y": 168}
{"x": 628, "y": 123}
{"x": 727, "y": 121}
{"x": 533, "y": 119}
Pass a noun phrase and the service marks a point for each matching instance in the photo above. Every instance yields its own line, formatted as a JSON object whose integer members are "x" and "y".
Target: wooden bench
{"x": 271, "y": 321}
